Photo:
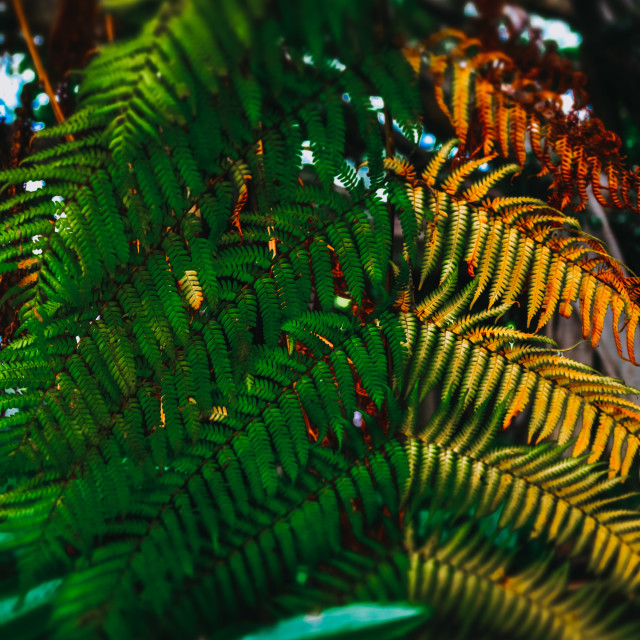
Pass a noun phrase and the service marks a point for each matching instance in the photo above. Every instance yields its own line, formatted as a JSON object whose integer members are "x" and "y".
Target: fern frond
{"x": 472, "y": 362}
{"x": 481, "y": 103}
{"x": 532, "y": 601}
{"x": 242, "y": 347}
{"x": 528, "y": 243}
{"x": 430, "y": 173}
{"x": 549, "y": 495}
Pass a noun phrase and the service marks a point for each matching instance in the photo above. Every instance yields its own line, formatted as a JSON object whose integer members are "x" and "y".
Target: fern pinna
{"x": 261, "y": 364}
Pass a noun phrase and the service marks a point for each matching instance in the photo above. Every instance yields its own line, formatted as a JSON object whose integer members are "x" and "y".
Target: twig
{"x": 35, "y": 56}
{"x": 108, "y": 21}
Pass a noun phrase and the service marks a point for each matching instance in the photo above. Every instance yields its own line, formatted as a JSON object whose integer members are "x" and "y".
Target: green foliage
{"x": 244, "y": 388}
{"x": 352, "y": 621}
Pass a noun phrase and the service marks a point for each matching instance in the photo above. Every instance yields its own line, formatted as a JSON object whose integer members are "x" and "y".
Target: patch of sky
{"x": 427, "y": 141}
{"x": 307, "y": 154}
{"x": 557, "y": 30}
{"x": 34, "y": 185}
{"x": 340, "y": 302}
{"x": 41, "y": 100}
{"x": 551, "y": 28}
{"x": 363, "y": 174}
{"x": 36, "y": 252}
{"x": 567, "y": 101}
{"x": 484, "y": 167}
{"x": 568, "y": 105}
{"x": 338, "y": 183}
{"x": 470, "y": 10}
{"x": 11, "y": 81}
{"x": 337, "y": 180}
{"x": 376, "y": 102}
{"x": 336, "y": 64}
{"x": 382, "y": 194}
{"x": 346, "y": 97}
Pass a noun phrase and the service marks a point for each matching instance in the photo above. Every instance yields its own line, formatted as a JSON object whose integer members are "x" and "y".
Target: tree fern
{"x": 243, "y": 387}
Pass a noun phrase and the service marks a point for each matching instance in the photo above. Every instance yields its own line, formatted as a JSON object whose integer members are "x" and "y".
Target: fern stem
{"x": 108, "y": 23}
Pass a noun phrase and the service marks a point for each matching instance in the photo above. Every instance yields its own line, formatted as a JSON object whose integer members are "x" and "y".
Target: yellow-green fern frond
{"x": 561, "y": 500}
{"x": 430, "y": 173}
{"x": 465, "y": 573}
{"x": 471, "y": 361}
{"x": 516, "y": 245}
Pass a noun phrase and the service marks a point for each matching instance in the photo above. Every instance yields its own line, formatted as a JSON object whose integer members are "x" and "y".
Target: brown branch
{"x": 108, "y": 22}
{"x": 35, "y": 56}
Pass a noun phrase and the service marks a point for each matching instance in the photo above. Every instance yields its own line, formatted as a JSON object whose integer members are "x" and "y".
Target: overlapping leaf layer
{"x": 248, "y": 380}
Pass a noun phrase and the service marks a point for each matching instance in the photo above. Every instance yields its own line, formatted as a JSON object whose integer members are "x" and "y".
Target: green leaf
{"x": 382, "y": 622}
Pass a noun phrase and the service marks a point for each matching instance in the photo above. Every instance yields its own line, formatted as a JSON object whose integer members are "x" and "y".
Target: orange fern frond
{"x": 402, "y": 168}
{"x": 479, "y": 189}
{"x": 492, "y": 99}
{"x": 463, "y": 171}
{"x": 437, "y": 66}
{"x": 561, "y": 395}
{"x": 430, "y": 172}
{"x": 485, "y": 103}
{"x": 516, "y": 245}
{"x": 240, "y": 175}
{"x": 520, "y": 119}
{"x": 504, "y": 123}
{"x": 462, "y": 76}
